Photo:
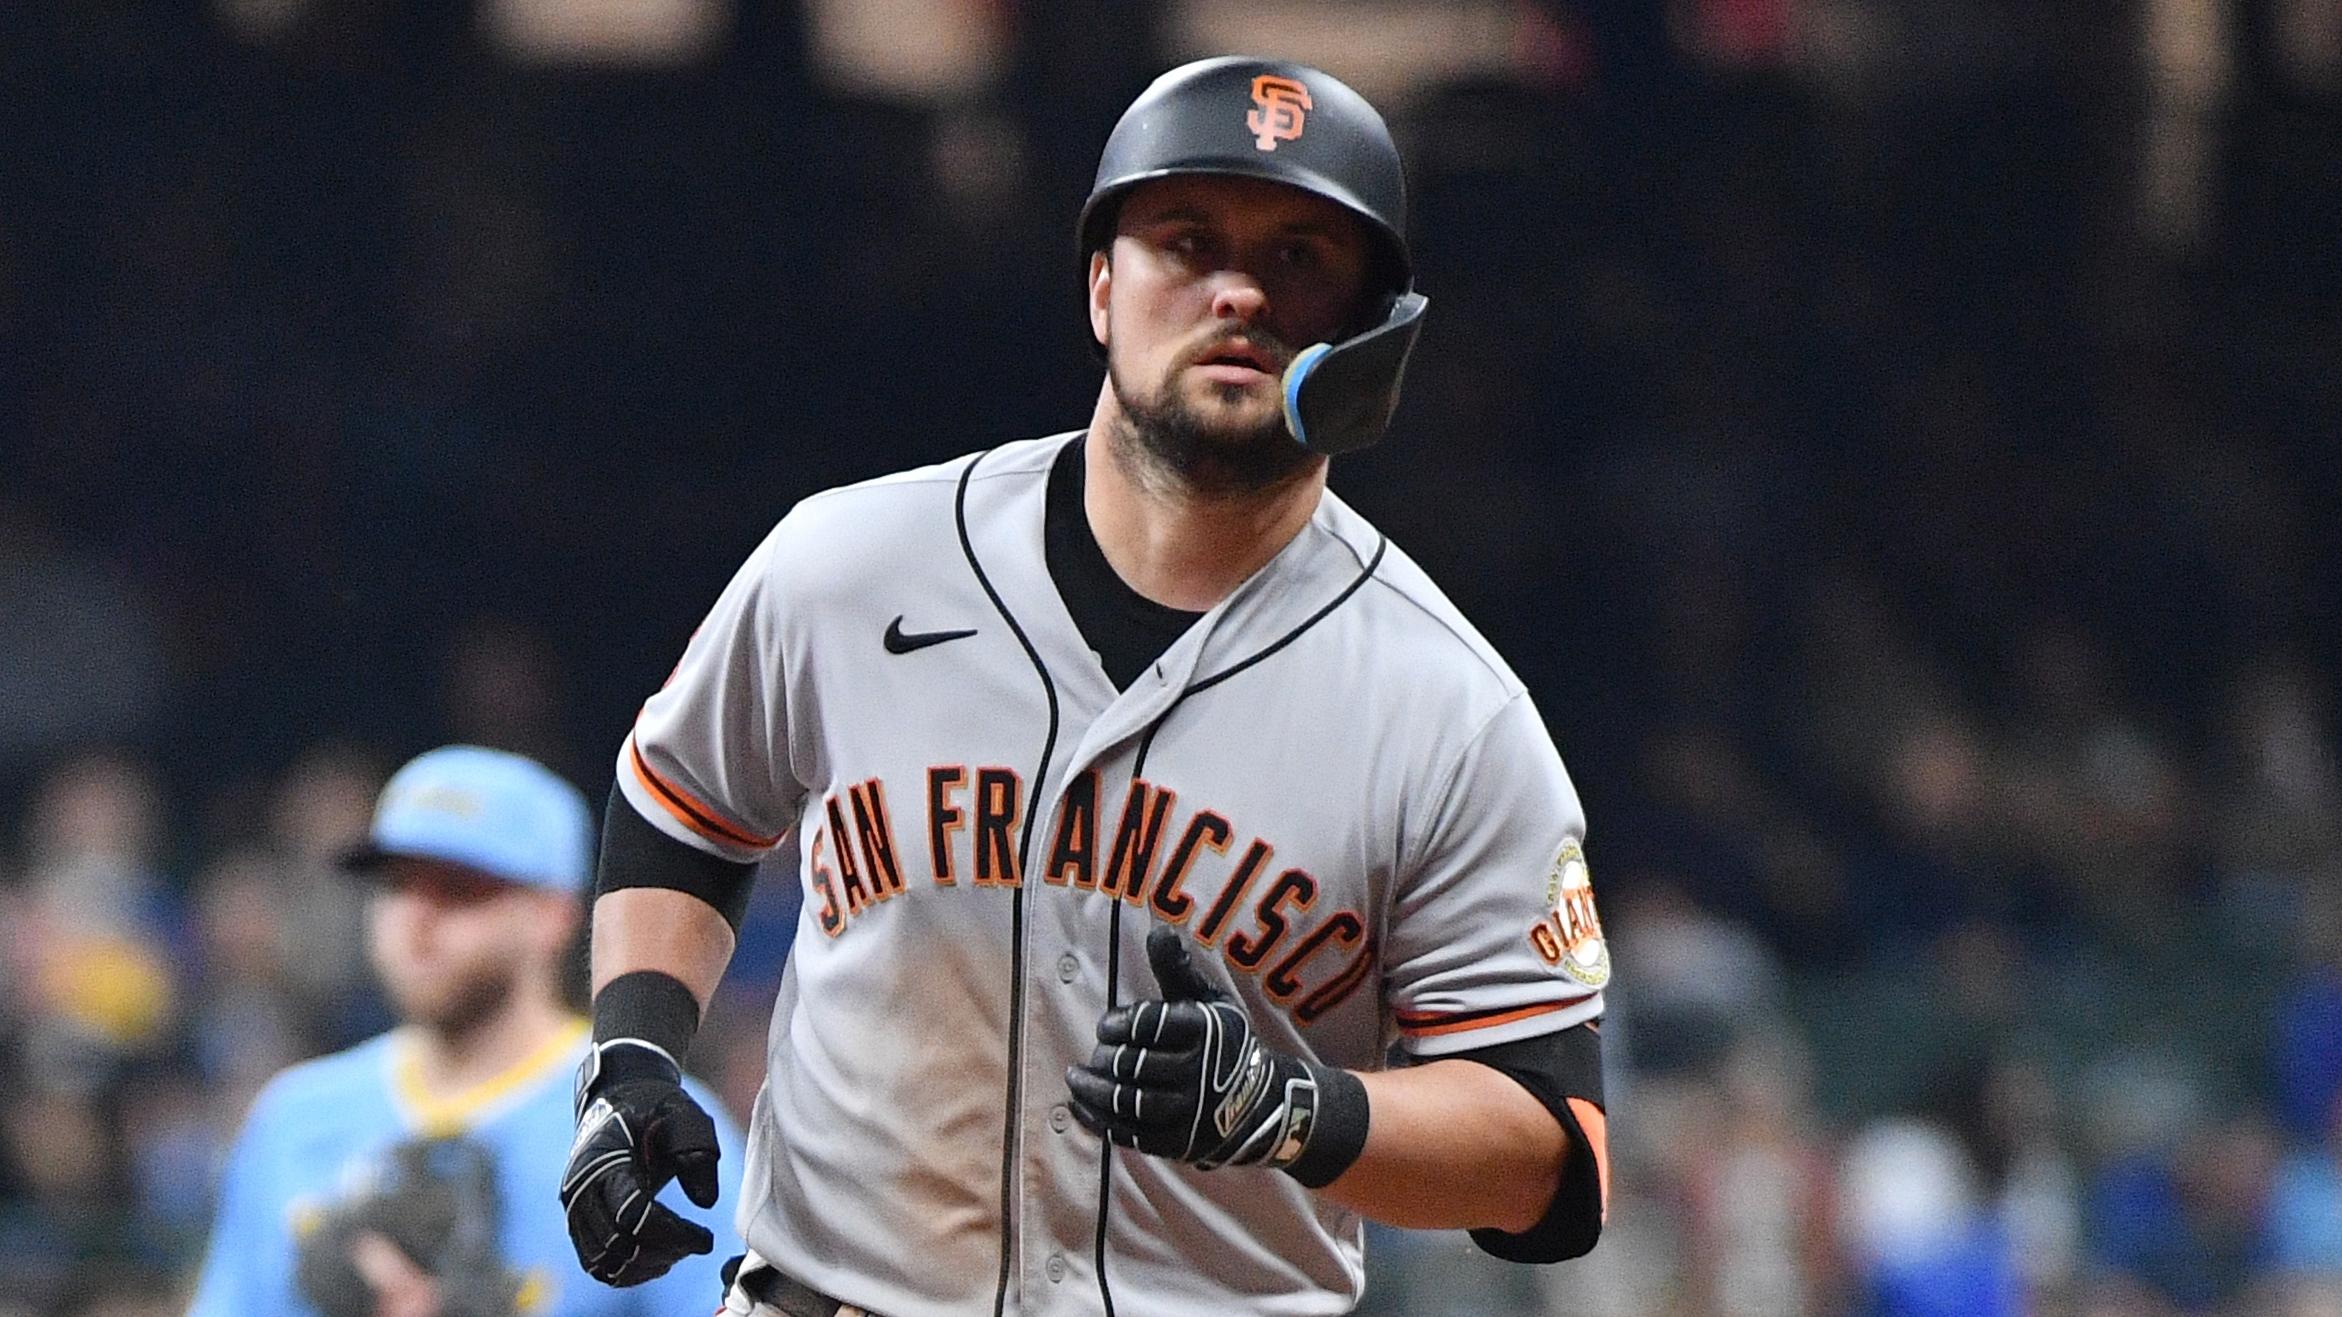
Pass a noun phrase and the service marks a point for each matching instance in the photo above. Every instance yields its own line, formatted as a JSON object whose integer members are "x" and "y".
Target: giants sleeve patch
{"x": 1569, "y": 937}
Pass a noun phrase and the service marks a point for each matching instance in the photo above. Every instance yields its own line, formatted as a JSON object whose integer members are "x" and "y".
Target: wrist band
{"x": 649, "y": 1005}
{"x": 1338, "y": 1132}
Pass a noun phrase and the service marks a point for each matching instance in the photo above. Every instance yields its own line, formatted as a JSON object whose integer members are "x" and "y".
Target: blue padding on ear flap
{"x": 1294, "y": 375}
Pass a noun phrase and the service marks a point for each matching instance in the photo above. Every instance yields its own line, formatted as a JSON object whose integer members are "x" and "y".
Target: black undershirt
{"x": 1125, "y": 629}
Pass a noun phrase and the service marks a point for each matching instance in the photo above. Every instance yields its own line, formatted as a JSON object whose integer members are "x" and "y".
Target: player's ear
{"x": 1101, "y": 286}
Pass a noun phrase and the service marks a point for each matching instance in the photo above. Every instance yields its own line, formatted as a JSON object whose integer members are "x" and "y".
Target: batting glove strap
{"x": 621, "y": 1060}
{"x": 636, "y": 1129}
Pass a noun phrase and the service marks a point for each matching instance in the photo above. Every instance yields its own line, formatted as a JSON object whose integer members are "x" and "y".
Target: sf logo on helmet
{"x": 1284, "y": 106}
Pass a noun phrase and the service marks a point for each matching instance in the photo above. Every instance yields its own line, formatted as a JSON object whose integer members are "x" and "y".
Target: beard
{"x": 1175, "y": 443}
{"x": 461, "y": 1003}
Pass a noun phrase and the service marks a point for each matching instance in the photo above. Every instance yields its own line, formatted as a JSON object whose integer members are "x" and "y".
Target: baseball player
{"x": 414, "y": 1174}
{"x": 1185, "y": 879}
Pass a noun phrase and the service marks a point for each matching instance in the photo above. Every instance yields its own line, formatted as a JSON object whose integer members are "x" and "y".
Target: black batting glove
{"x": 1184, "y": 1076}
{"x": 636, "y": 1130}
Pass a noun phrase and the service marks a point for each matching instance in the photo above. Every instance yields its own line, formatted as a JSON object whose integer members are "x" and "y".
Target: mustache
{"x": 1273, "y": 351}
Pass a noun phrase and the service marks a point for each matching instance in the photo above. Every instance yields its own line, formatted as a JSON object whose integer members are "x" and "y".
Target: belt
{"x": 789, "y": 1296}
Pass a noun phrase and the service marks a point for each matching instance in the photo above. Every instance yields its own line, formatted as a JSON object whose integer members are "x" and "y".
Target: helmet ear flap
{"x": 1339, "y": 396}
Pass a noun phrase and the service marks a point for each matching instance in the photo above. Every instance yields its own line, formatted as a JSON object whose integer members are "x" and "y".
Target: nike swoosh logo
{"x": 899, "y": 641}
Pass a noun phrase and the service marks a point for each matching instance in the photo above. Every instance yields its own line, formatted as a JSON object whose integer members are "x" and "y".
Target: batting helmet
{"x": 1287, "y": 123}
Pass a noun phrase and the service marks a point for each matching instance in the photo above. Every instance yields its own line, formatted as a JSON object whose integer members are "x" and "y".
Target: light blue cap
{"x": 502, "y": 814}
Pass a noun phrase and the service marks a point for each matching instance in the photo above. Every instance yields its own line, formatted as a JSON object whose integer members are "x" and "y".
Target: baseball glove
{"x": 436, "y": 1200}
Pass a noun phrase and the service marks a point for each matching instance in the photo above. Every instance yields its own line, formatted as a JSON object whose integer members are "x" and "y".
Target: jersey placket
{"x": 1072, "y": 943}
{"x": 1069, "y": 963}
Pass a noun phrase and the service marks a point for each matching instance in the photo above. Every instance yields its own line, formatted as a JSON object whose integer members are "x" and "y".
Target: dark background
{"x": 1893, "y": 440}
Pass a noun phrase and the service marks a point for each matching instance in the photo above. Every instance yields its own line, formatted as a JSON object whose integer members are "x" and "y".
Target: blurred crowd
{"x": 1891, "y": 439}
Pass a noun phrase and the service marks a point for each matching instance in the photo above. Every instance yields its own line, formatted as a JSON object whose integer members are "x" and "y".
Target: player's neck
{"x": 1181, "y": 548}
{"x": 448, "y": 1062}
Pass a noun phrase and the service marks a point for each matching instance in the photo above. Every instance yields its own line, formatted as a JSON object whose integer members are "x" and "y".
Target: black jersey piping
{"x": 1114, "y": 919}
{"x": 1106, "y": 1146}
{"x": 1016, "y": 959}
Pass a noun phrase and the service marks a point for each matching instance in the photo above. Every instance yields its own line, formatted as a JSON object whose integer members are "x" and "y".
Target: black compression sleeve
{"x": 637, "y": 854}
{"x": 1555, "y": 1068}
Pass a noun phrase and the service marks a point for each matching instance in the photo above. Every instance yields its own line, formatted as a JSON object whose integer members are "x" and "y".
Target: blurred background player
{"x": 412, "y": 1174}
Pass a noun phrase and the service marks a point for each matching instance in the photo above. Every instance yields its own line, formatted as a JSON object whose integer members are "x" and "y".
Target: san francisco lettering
{"x": 1137, "y": 846}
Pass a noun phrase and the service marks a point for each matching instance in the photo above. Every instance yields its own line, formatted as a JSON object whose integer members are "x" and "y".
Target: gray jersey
{"x": 1331, "y": 782}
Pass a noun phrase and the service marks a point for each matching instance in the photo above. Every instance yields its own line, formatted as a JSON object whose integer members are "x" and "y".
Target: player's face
{"x": 453, "y": 946}
{"x": 1213, "y": 286}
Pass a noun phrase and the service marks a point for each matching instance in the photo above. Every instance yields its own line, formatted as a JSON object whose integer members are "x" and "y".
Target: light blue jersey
{"x": 324, "y": 1131}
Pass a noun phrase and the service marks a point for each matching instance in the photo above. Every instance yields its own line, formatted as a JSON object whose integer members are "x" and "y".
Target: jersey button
{"x": 1067, "y": 967}
{"x": 1055, "y": 1266}
{"x": 1060, "y": 1118}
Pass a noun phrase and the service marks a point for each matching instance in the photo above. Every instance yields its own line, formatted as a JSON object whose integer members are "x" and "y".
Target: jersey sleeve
{"x": 696, "y": 1284}
{"x": 708, "y": 760}
{"x": 1493, "y": 935}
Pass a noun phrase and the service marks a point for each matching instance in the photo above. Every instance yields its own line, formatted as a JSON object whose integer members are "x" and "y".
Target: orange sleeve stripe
{"x": 689, "y": 811}
{"x": 1425, "y": 1024}
{"x": 1596, "y": 1126}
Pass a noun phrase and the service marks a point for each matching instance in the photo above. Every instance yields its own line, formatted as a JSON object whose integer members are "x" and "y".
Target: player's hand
{"x": 636, "y": 1129}
{"x": 401, "y": 1289}
{"x": 1183, "y": 1076}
